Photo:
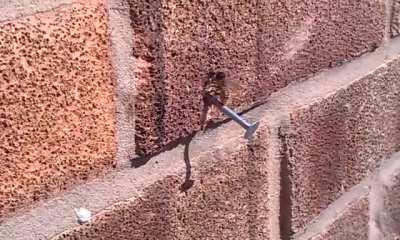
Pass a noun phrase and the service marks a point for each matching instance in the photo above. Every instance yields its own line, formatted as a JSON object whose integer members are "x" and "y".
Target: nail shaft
{"x": 229, "y": 112}
{"x": 250, "y": 127}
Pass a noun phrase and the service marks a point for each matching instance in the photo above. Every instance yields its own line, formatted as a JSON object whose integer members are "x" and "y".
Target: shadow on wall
{"x": 285, "y": 202}
{"x": 188, "y": 182}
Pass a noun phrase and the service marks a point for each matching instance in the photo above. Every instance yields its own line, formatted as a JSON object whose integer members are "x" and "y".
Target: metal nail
{"x": 250, "y": 127}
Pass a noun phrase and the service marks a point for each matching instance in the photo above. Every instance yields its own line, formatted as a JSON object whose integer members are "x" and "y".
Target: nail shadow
{"x": 188, "y": 183}
{"x": 285, "y": 198}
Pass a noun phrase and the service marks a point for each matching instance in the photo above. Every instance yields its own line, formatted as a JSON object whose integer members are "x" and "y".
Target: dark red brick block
{"x": 260, "y": 46}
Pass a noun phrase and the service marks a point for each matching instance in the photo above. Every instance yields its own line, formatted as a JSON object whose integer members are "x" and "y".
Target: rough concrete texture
{"x": 56, "y": 102}
{"x": 261, "y": 46}
{"x": 353, "y": 224}
{"x": 346, "y": 218}
{"x": 395, "y": 22}
{"x": 338, "y": 140}
{"x": 387, "y": 213}
{"x": 226, "y": 195}
{"x": 10, "y": 9}
{"x": 392, "y": 209}
{"x": 391, "y": 224}
{"x": 123, "y": 64}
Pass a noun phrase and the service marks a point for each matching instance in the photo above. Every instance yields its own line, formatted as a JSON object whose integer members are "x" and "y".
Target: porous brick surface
{"x": 395, "y": 21}
{"x": 261, "y": 46}
{"x": 352, "y": 224}
{"x": 56, "y": 102}
{"x": 337, "y": 141}
{"x": 229, "y": 199}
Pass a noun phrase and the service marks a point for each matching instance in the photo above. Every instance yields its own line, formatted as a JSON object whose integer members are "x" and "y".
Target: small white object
{"x": 83, "y": 215}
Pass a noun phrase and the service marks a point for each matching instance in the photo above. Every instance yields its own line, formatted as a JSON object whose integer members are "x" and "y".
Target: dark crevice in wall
{"x": 160, "y": 84}
{"x": 150, "y": 46}
{"x": 259, "y": 43}
{"x": 285, "y": 211}
{"x": 254, "y": 185}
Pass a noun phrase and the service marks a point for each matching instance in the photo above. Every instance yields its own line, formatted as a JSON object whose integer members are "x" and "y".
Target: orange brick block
{"x": 56, "y": 102}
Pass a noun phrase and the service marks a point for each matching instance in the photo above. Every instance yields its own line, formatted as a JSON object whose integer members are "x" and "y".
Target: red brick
{"x": 261, "y": 46}
{"x": 352, "y": 224}
{"x": 338, "y": 140}
{"x": 56, "y": 102}
{"x": 231, "y": 198}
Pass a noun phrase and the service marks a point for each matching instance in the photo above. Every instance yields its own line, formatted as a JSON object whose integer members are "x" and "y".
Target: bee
{"x": 215, "y": 85}
{"x": 220, "y": 86}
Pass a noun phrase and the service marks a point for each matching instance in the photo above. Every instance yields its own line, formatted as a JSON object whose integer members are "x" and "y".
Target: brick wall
{"x": 102, "y": 107}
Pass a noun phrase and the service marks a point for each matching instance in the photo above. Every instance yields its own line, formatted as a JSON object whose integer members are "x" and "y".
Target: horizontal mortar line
{"x": 33, "y": 13}
{"x": 52, "y": 217}
{"x": 388, "y": 168}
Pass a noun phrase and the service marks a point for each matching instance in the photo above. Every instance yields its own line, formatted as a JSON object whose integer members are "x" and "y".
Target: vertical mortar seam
{"x": 389, "y": 4}
{"x": 375, "y": 206}
{"x": 121, "y": 49}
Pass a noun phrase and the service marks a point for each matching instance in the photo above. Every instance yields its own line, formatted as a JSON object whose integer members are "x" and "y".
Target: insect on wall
{"x": 215, "y": 85}
{"x": 218, "y": 85}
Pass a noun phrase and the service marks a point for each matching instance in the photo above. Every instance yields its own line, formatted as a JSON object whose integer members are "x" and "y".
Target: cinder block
{"x": 352, "y": 224}
{"x": 230, "y": 198}
{"x": 335, "y": 142}
{"x": 261, "y": 46}
{"x": 56, "y": 102}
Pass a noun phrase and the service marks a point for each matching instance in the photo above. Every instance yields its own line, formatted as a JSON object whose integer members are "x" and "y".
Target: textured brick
{"x": 230, "y": 199}
{"x": 395, "y": 21}
{"x": 261, "y": 46}
{"x": 350, "y": 225}
{"x": 338, "y": 140}
{"x": 56, "y": 102}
